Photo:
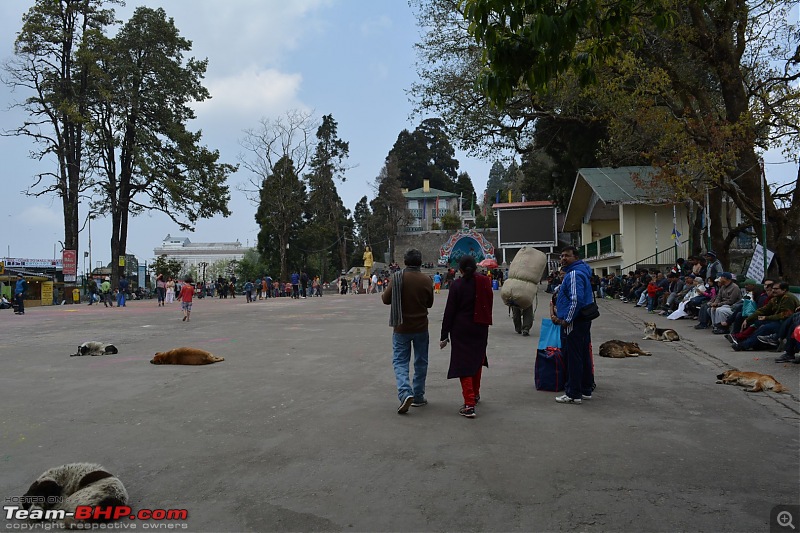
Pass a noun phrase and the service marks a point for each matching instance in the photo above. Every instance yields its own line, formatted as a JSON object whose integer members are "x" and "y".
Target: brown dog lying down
{"x": 68, "y": 486}
{"x": 185, "y": 356}
{"x": 757, "y": 382}
{"x": 618, "y": 349}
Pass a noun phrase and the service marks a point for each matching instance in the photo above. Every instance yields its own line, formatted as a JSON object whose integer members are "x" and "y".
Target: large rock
{"x": 528, "y": 265}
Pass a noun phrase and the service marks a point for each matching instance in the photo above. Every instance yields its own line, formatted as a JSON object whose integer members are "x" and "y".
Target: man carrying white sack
{"x": 519, "y": 290}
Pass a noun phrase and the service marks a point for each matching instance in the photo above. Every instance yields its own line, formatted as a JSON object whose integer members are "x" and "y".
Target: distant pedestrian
{"x": 169, "y": 295}
{"x": 19, "y": 294}
{"x": 437, "y": 283}
{"x": 248, "y": 291}
{"x": 466, "y": 321}
{"x": 161, "y": 289}
{"x": 122, "y": 290}
{"x": 410, "y": 295}
{"x": 105, "y": 291}
{"x": 187, "y": 292}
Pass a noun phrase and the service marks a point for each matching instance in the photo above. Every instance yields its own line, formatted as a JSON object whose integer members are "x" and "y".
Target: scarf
{"x": 396, "y": 309}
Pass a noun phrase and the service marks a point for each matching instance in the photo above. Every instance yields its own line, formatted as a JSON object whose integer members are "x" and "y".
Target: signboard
{"x": 17, "y": 262}
{"x": 70, "y": 265}
{"x": 533, "y": 226}
{"x": 47, "y": 293}
{"x": 756, "y": 269}
{"x": 2, "y": 268}
{"x": 121, "y": 261}
{"x": 141, "y": 275}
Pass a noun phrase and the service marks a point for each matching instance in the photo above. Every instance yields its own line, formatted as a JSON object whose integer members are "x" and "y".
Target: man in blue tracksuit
{"x": 574, "y": 294}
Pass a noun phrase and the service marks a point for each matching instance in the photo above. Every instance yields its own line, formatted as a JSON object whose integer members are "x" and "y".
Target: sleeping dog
{"x": 185, "y": 356}
{"x": 95, "y": 348}
{"x": 68, "y": 486}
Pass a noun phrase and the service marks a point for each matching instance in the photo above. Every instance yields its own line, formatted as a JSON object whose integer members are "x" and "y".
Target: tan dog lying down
{"x": 619, "y": 349}
{"x": 757, "y": 382}
{"x": 185, "y": 356}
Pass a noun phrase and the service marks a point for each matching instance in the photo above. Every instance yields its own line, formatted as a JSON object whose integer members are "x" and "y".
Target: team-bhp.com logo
{"x": 87, "y": 517}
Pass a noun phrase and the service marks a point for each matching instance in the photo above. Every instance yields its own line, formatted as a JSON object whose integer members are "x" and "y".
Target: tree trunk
{"x": 284, "y": 269}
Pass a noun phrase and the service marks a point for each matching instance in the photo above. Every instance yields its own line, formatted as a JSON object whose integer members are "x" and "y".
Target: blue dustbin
{"x": 495, "y": 285}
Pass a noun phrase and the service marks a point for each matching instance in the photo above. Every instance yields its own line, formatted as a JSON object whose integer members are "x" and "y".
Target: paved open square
{"x": 297, "y": 429}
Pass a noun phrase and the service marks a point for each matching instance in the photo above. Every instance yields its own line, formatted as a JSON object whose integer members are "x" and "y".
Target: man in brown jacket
{"x": 410, "y": 294}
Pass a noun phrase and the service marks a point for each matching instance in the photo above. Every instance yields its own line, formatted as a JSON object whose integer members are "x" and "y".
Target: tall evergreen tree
{"x": 280, "y": 210}
{"x": 425, "y": 154}
{"x": 329, "y": 218}
{"x": 47, "y": 65}
{"x": 148, "y": 159}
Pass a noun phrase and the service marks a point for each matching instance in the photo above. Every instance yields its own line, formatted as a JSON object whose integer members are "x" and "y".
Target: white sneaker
{"x": 586, "y": 397}
{"x": 566, "y": 399}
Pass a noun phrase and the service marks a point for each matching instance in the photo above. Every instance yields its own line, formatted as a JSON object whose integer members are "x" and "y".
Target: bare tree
{"x": 289, "y": 136}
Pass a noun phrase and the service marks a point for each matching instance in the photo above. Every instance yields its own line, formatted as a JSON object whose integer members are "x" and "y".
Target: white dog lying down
{"x": 68, "y": 486}
{"x": 95, "y": 348}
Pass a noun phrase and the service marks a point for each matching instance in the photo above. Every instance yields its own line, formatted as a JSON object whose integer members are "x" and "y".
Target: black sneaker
{"x": 785, "y": 358}
{"x": 700, "y": 326}
{"x": 731, "y": 339}
{"x": 419, "y": 403}
{"x": 405, "y": 404}
{"x": 770, "y": 340}
{"x": 467, "y": 411}
{"x": 525, "y": 333}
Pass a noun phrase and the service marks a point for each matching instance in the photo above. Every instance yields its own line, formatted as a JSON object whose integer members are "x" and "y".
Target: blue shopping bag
{"x": 549, "y": 335}
{"x": 549, "y": 370}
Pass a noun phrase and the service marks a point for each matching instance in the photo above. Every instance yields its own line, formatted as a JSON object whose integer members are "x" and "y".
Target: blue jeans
{"x": 764, "y": 328}
{"x": 401, "y": 357}
{"x": 121, "y": 299}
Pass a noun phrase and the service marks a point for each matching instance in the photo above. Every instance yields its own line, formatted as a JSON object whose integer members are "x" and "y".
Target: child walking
{"x": 187, "y": 293}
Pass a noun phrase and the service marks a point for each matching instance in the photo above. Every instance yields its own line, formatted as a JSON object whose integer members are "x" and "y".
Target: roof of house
{"x": 614, "y": 186}
{"x": 535, "y": 203}
{"x": 418, "y": 194}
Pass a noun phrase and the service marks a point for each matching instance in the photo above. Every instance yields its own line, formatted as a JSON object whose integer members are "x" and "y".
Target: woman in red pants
{"x": 467, "y": 317}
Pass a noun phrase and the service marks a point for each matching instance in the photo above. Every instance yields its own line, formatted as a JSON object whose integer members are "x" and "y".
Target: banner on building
{"x": 17, "y": 262}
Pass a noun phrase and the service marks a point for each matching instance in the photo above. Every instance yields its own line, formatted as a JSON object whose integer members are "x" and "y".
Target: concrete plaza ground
{"x": 297, "y": 429}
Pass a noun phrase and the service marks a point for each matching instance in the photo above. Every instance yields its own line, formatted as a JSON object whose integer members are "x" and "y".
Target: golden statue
{"x": 368, "y": 261}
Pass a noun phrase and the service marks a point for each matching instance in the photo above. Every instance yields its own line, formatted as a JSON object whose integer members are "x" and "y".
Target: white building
{"x": 194, "y": 253}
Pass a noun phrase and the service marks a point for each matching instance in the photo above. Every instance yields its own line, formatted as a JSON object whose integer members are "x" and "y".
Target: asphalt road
{"x": 297, "y": 429}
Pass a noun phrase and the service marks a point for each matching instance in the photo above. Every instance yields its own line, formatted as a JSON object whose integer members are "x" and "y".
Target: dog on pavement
{"x": 95, "y": 348}
{"x": 185, "y": 356}
{"x": 619, "y": 349}
{"x": 757, "y": 382}
{"x": 68, "y": 486}
{"x": 651, "y": 332}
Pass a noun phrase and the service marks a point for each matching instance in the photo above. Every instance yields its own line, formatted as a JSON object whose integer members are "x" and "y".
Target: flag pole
{"x": 763, "y": 217}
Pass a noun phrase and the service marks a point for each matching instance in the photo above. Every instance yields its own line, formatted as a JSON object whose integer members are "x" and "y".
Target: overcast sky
{"x": 353, "y": 59}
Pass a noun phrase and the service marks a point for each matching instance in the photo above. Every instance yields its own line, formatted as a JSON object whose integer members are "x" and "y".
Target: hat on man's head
{"x": 711, "y": 253}
{"x": 726, "y": 275}
{"x": 750, "y": 281}
{"x": 19, "y": 275}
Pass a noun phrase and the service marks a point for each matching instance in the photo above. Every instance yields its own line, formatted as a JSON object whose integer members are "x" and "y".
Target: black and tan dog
{"x": 757, "y": 382}
{"x": 95, "y": 348}
{"x": 619, "y": 349}
{"x": 651, "y": 332}
{"x": 185, "y": 356}
{"x": 68, "y": 486}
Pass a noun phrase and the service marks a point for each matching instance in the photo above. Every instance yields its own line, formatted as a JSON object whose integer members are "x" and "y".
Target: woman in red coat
{"x": 467, "y": 317}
